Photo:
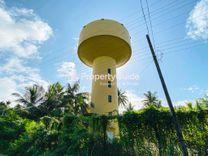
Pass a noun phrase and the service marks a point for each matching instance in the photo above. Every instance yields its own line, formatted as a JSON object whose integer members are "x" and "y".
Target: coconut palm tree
{"x": 72, "y": 89}
{"x": 53, "y": 99}
{"x": 204, "y": 101}
{"x": 189, "y": 105}
{"x": 130, "y": 107}
{"x": 122, "y": 98}
{"x": 34, "y": 96}
{"x": 151, "y": 100}
{"x": 31, "y": 100}
{"x": 76, "y": 103}
{"x": 3, "y": 107}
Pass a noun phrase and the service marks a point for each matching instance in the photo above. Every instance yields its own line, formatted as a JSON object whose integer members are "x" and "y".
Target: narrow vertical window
{"x": 109, "y": 71}
{"x": 109, "y": 84}
{"x": 109, "y": 98}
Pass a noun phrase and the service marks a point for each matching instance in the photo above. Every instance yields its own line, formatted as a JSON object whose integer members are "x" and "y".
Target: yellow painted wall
{"x": 104, "y": 27}
{"x": 104, "y": 38}
{"x": 101, "y": 91}
{"x": 100, "y": 87}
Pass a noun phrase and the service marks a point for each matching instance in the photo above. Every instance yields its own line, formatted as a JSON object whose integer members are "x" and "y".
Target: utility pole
{"x": 174, "y": 117}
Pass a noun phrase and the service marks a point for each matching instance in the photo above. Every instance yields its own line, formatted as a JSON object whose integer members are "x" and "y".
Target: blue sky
{"x": 38, "y": 41}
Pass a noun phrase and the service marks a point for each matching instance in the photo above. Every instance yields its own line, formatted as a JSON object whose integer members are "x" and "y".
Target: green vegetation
{"x": 56, "y": 122}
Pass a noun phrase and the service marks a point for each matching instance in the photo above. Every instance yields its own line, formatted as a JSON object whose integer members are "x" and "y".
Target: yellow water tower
{"x": 104, "y": 45}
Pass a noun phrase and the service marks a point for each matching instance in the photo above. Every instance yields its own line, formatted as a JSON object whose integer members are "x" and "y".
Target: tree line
{"x": 57, "y": 122}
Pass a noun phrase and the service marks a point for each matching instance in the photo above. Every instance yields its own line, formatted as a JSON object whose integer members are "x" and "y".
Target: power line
{"x": 145, "y": 20}
{"x": 163, "y": 10}
{"x": 146, "y": 67}
{"x": 142, "y": 56}
{"x": 139, "y": 54}
{"x": 155, "y": 12}
{"x": 176, "y": 49}
{"x": 151, "y": 28}
{"x": 134, "y": 13}
{"x": 181, "y": 49}
{"x": 54, "y": 57}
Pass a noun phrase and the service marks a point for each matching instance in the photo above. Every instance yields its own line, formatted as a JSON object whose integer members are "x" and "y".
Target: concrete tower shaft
{"x": 104, "y": 90}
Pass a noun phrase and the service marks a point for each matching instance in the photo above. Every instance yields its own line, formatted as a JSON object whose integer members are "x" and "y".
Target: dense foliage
{"x": 56, "y": 122}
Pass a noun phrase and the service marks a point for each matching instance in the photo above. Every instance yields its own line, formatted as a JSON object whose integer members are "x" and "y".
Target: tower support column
{"x": 104, "y": 94}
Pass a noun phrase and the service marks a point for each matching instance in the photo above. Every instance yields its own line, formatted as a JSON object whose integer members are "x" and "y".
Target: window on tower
{"x": 109, "y": 71}
{"x": 109, "y": 98}
{"x": 109, "y": 84}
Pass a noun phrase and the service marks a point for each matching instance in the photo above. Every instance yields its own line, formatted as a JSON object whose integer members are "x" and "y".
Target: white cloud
{"x": 7, "y": 87}
{"x": 197, "y": 22}
{"x": 196, "y": 90}
{"x": 15, "y": 65}
{"x": 18, "y": 76}
{"x": 68, "y": 70}
{"x": 22, "y": 31}
{"x": 24, "y": 75}
{"x": 192, "y": 89}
